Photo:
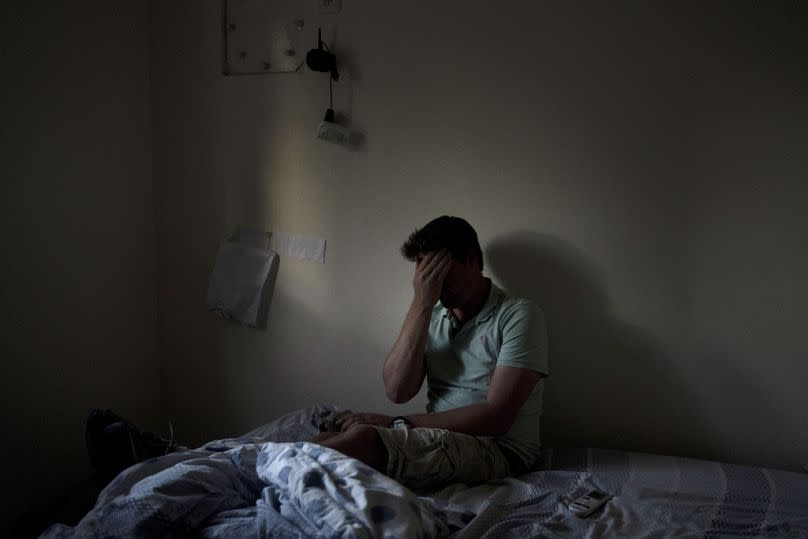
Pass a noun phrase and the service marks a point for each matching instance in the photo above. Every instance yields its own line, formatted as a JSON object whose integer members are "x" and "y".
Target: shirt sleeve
{"x": 524, "y": 337}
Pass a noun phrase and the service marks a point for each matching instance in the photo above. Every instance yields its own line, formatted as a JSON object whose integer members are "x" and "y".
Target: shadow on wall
{"x": 611, "y": 384}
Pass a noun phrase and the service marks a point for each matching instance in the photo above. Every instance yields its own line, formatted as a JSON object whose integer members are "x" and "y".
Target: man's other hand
{"x": 379, "y": 420}
{"x": 428, "y": 280}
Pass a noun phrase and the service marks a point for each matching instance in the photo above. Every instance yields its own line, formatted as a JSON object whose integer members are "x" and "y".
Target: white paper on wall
{"x": 239, "y": 276}
{"x": 298, "y": 246}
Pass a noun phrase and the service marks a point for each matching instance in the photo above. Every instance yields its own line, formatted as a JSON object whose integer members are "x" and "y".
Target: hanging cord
{"x": 330, "y": 76}
{"x": 135, "y": 456}
{"x": 170, "y": 445}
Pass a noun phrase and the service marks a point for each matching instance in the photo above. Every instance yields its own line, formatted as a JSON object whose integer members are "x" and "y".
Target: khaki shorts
{"x": 426, "y": 459}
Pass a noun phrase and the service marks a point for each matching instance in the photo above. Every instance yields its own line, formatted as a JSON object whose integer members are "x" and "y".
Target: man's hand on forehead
{"x": 425, "y": 258}
{"x": 429, "y": 275}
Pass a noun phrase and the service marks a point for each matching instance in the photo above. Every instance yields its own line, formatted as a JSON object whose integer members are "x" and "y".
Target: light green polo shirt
{"x": 459, "y": 364}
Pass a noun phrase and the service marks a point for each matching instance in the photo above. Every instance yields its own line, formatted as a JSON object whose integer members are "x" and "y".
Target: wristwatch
{"x": 400, "y": 422}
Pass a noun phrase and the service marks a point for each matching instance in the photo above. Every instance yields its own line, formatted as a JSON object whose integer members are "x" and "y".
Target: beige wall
{"x": 78, "y": 312}
{"x": 637, "y": 170}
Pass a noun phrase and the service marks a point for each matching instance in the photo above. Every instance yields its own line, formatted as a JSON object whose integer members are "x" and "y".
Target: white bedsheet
{"x": 654, "y": 496}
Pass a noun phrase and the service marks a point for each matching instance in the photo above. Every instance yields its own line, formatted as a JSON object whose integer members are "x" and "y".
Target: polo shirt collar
{"x": 495, "y": 295}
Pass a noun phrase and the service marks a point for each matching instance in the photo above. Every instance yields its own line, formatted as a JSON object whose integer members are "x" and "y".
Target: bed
{"x": 271, "y": 482}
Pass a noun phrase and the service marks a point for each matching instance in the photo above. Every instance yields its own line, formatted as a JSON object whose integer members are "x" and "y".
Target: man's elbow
{"x": 501, "y": 421}
{"x": 500, "y": 429}
{"x": 396, "y": 395}
{"x": 392, "y": 389}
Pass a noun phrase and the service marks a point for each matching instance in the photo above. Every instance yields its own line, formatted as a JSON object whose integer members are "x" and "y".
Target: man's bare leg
{"x": 361, "y": 442}
{"x": 323, "y": 436}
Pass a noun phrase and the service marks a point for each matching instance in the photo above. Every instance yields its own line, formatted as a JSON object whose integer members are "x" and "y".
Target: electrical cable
{"x": 171, "y": 438}
{"x": 135, "y": 457}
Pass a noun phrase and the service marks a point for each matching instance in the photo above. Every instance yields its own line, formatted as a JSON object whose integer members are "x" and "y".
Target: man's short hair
{"x": 445, "y": 232}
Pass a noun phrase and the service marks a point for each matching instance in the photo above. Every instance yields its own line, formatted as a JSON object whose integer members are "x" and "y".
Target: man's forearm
{"x": 403, "y": 370}
{"x": 481, "y": 419}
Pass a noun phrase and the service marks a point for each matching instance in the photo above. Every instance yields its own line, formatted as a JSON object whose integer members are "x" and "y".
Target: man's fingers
{"x": 441, "y": 268}
{"x": 425, "y": 260}
{"x": 440, "y": 258}
{"x": 429, "y": 261}
{"x": 349, "y": 421}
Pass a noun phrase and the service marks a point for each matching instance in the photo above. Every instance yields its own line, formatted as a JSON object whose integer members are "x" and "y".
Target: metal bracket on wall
{"x": 262, "y": 36}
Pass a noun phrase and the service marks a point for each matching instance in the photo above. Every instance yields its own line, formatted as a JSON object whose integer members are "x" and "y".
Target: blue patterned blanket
{"x": 262, "y": 490}
{"x": 264, "y": 484}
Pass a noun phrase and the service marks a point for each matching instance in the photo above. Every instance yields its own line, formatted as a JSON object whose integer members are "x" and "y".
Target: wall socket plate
{"x": 332, "y": 132}
{"x": 330, "y": 6}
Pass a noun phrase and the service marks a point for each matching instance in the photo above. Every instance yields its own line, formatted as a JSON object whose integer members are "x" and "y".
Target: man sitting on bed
{"x": 483, "y": 355}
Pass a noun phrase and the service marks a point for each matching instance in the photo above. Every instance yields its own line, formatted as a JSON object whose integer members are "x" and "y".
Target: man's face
{"x": 457, "y": 285}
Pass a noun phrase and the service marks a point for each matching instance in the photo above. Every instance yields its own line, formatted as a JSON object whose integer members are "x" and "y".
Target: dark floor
{"x": 68, "y": 510}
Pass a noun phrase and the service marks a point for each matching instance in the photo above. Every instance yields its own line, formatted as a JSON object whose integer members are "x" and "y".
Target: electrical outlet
{"x": 330, "y": 6}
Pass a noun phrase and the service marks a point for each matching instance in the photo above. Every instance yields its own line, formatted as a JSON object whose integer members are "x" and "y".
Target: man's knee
{"x": 362, "y": 431}
{"x": 364, "y": 436}
{"x": 323, "y": 436}
{"x": 356, "y": 436}
{"x": 361, "y": 442}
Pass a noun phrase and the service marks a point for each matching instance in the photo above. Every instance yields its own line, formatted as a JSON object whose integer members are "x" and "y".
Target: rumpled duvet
{"x": 285, "y": 490}
{"x": 267, "y": 483}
